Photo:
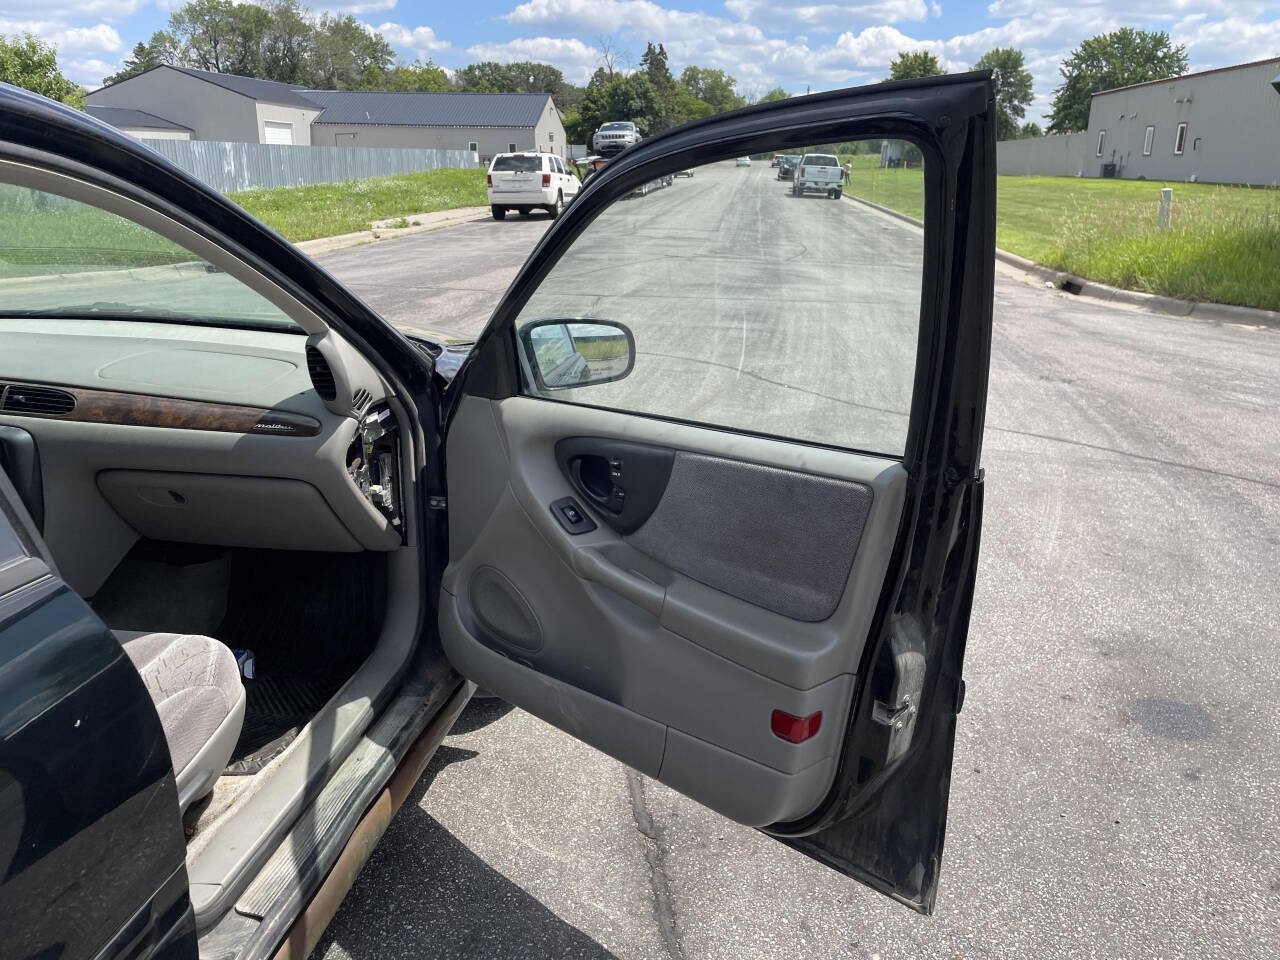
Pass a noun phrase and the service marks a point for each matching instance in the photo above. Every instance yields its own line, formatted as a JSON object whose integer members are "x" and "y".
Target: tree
{"x": 609, "y": 55}
{"x": 777, "y": 93}
{"x": 159, "y": 50}
{"x": 289, "y": 44}
{"x": 1013, "y": 82}
{"x": 205, "y": 30}
{"x": 714, "y": 87}
{"x": 1029, "y": 129}
{"x": 30, "y": 63}
{"x": 1107, "y": 61}
{"x": 346, "y": 55}
{"x": 914, "y": 64}
{"x": 421, "y": 76}
{"x": 666, "y": 93}
{"x": 621, "y": 97}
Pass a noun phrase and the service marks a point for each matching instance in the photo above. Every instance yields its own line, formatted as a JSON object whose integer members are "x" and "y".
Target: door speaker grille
{"x": 503, "y": 612}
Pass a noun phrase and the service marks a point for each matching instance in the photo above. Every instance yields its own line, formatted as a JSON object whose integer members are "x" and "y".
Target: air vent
{"x": 360, "y": 400}
{"x": 321, "y": 375}
{"x": 43, "y": 400}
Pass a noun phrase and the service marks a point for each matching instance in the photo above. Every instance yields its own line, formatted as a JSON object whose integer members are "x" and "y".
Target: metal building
{"x": 201, "y": 105}
{"x": 1217, "y": 126}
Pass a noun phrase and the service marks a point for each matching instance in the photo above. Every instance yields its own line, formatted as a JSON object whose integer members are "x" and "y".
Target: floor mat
{"x": 276, "y": 710}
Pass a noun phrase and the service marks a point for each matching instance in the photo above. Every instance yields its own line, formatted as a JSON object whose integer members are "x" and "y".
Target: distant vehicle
{"x": 685, "y": 173}
{"x": 777, "y": 160}
{"x": 527, "y": 181}
{"x": 818, "y": 172}
{"x": 615, "y": 136}
{"x": 742, "y": 162}
{"x": 787, "y": 166}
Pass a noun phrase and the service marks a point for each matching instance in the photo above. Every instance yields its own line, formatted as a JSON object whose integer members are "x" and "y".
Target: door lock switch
{"x": 571, "y": 516}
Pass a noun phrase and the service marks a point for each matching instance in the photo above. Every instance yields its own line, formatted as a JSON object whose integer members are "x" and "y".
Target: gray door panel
{"x": 616, "y": 639}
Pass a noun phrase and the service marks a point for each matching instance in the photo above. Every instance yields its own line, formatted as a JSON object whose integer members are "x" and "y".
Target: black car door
{"x": 733, "y": 542}
{"x": 92, "y": 855}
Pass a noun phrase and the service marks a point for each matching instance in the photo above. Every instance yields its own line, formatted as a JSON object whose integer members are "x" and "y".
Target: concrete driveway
{"x": 1117, "y": 774}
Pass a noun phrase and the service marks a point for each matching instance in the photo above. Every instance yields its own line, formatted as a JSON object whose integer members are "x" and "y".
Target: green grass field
{"x": 328, "y": 209}
{"x": 1223, "y": 246}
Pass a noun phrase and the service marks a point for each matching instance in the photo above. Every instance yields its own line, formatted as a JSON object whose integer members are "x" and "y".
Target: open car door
{"x": 714, "y": 486}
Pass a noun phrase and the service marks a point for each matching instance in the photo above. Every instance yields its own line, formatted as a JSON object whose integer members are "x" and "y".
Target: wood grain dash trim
{"x": 144, "y": 410}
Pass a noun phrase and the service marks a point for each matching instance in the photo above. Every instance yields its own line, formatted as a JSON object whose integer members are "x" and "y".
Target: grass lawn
{"x": 1224, "y": 245}
{"x": 328, "y": 209}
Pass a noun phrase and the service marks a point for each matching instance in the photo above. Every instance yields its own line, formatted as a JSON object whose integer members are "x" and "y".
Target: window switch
{"x": 571, "y": 516}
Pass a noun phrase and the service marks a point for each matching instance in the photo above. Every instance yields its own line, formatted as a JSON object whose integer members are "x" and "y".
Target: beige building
{"x": 214, "y": 106}
{"x": 182, "y": 103}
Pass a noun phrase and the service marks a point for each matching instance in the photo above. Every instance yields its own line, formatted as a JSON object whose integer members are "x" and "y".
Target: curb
{"x": 428, "y": 222}
{"x": 1069, "y": 283}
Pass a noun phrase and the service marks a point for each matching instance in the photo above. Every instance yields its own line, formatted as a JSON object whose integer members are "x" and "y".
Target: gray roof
{"x": 430, "y": 109}
{"x": 267, "y": 90}
{"x": 124, "y": 118}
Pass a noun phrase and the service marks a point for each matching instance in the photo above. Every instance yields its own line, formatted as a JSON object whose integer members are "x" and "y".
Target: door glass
{"x": 63, "y": 258}
{"x": 762, "y": 298}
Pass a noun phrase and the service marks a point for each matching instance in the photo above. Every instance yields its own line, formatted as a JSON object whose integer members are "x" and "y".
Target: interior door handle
{"x": 622, "y": 481}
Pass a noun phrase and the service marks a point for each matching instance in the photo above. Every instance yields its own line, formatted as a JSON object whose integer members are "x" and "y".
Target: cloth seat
{"x": 195, "y": 684}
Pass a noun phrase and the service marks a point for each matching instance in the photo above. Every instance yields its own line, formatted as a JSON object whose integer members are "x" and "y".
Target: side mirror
{"x": 576, "y": 353}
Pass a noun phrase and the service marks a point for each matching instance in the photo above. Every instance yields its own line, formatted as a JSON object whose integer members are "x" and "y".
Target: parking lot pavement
{"x": 1117, "y": 781}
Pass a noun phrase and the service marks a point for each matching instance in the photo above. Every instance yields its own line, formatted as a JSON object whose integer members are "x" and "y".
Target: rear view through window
{"x": 517, "y": 164}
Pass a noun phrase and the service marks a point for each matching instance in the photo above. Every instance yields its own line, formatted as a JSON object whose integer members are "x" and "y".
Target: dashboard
{"x": 200, "y": 434}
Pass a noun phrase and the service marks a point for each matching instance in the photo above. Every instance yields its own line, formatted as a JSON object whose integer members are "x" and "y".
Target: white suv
{"x": 523, "y": 181}
{"x": 614, "y": 137}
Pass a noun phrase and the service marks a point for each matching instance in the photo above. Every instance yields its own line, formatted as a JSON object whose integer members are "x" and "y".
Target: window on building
{"x": 551, "y": 138}
{"x": 511, "y": 148}
{"x": 473, "y": 146}
{"x": 1146, "y": 140}
{"x": 1180, "y": 139}
{"x": 1102, "y": 136}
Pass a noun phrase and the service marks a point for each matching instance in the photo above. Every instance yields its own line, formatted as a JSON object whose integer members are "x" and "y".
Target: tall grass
{"x": 1223, "y": 245}
{"x": 1214, "y": 250}
{"x": 327, "y": 209}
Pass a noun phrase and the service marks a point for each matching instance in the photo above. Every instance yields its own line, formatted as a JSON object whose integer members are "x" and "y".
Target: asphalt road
{"x": 1117, "y": 774}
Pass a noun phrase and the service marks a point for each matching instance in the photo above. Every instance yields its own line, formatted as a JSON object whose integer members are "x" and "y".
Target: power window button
{"x": 571, "y": 516}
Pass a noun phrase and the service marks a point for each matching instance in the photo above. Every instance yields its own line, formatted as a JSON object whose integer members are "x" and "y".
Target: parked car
{"x": 684, "y": 173}
{"x": 525, "y": 182}
{"x": 777, "y": 160}
{"x": 615, "y": 136}
{"x": 787, "y": 168}
{"x": 258, "y": 548}
{"x": 742, "y": 162}
{"x": 818, "y": 172}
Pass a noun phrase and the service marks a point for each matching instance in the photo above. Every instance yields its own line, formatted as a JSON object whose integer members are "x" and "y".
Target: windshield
{"x": 618, "y": 126}
{"x": 517, "y": 164}
{"x": 63, "y": 258}
{"x": 821, "y": 160}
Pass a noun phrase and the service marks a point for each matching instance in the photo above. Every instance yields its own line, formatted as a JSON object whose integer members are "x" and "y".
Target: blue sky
{"x": 819, "y": 44}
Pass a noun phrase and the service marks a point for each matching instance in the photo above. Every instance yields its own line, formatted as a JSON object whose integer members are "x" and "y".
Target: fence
{"x": 228, "y": 167}
{"x": 1057, "y": 156}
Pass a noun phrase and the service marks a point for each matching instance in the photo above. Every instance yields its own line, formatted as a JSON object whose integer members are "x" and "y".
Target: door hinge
{"x": 437, "y": 503}
{"x": 898, "y": 711}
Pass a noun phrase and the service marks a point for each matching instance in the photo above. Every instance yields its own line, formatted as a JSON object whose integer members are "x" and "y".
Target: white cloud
{"x": 1226, "y": 42}
{"x": 422, "y": 41}
{"x": 88, "y": 72}
{"x": 828, "y": 17}
{"x": 99, "y": 38}
{"x": 574, "y": 58}
{"x": 341, "y": 9}
{"x": 112, "y": 11}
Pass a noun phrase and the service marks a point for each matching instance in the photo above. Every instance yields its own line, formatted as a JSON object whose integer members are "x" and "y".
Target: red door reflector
{"x": 795, "y": 729}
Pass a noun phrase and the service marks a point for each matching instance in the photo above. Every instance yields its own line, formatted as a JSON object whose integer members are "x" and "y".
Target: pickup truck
{"x": 818, "y": 172}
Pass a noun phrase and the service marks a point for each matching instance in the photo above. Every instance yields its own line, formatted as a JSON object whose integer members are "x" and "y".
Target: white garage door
{"x": 274, "y": 132}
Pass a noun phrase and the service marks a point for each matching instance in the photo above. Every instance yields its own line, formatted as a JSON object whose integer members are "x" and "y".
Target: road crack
{"x": 664, "y": 913}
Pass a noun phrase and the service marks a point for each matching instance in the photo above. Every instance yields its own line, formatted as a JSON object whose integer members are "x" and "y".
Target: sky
{"x": 796, "y": 44}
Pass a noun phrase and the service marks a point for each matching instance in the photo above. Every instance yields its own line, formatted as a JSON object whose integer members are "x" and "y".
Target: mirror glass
{"x": 576, "y": 353}
{"x": 779, "y": 296}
